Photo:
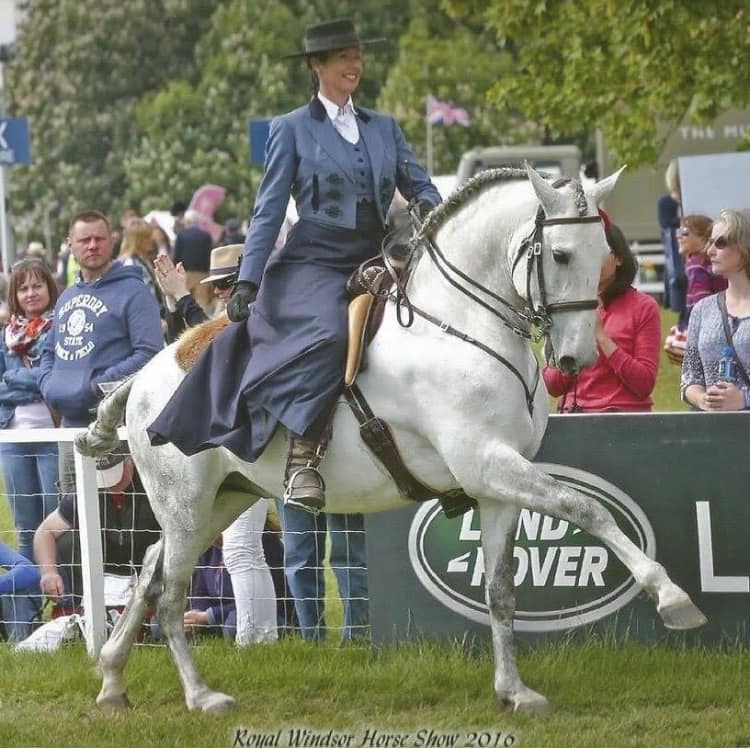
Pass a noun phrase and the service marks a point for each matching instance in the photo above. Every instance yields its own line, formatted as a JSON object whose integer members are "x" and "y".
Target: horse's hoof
{"x": 527, "y": 701}
{"x": 679, "y": 612}
{"x": 217, "y": 703}
{"x": 113, "y": 701}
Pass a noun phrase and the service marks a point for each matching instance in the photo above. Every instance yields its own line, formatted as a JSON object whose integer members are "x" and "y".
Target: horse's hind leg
{"x": 499, "y": 524}
{"x": 517, "y": 480}
{"x": 114, "y": 654}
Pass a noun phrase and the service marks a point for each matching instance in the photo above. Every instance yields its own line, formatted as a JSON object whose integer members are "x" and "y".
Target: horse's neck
{"x": 476, "y": 240}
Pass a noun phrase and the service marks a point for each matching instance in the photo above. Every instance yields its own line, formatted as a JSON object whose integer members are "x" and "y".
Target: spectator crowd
{"x": 113, "y": 299}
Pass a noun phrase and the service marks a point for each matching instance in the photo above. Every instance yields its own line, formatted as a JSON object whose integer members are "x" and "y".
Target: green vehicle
{"x": 559, "y": 161}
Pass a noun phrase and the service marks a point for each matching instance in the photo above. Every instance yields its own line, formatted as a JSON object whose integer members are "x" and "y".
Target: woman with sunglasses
{"x": 692, "y": 238}
{"x": 182, "y": 305}
{"x": 719, "y": 326}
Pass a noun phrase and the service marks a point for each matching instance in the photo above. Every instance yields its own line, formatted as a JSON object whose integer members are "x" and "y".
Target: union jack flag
{"x": 444, "y": 113}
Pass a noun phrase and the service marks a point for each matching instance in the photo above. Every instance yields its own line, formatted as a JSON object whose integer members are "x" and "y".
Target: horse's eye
{"x": 560, "y": 257}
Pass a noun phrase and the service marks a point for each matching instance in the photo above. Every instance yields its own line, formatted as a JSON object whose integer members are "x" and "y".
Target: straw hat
{"x": 224, "y": 262}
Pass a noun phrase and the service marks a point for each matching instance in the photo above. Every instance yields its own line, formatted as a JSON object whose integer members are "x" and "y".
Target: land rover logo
{"x": 564, "y": 577}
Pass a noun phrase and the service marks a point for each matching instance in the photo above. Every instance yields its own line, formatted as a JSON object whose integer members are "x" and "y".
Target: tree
{"x": 455, "y": 61}
{"x": 80, "y": 68}
{"x": 635, "y": 69}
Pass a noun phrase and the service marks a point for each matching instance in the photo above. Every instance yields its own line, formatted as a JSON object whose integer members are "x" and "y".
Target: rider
{"x": 342, "y": 163}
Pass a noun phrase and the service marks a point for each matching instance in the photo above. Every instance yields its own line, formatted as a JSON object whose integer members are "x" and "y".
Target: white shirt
{"x": 343, "y": 118}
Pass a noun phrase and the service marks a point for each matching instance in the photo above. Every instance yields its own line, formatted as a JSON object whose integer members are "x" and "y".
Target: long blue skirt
{"x": 285, "y": 363}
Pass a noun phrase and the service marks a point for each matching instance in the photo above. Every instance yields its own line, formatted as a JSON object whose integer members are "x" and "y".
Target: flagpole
{"x": 428, "y": 126}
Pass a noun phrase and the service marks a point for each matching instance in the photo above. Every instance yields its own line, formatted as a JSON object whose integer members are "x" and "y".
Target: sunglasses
{"x": 720, "y": 242}
{"x": 225, "y": 283}
{"x": 683, "y": 231}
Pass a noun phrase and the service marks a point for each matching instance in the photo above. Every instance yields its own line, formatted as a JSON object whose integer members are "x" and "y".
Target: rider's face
{"x": 339, "y": 73}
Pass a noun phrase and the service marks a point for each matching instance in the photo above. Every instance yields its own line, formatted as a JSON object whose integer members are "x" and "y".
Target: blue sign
{"x": 14, "y": 141}
{"x": 257, "y": 131}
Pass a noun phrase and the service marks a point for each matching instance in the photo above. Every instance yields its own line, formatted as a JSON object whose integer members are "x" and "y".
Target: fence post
{"x": 95, "y": 624}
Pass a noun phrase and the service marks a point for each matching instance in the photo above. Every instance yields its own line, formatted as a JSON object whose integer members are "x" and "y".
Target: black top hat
{"x": 330, "y": 35}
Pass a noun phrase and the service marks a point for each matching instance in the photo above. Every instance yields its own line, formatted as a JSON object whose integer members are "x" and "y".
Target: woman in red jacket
{"x": 628, "y": 335}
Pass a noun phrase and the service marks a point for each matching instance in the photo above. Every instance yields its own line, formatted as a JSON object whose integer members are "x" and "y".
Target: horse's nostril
{"x": 568, "y": 365}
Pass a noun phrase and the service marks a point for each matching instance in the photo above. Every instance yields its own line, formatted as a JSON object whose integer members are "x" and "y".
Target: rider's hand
{"x": 423, "y": 208}
{"x": 243, "y": 295}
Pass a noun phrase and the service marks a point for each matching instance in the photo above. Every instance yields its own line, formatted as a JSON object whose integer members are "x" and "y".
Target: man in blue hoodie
{"x": 107, "y": 327}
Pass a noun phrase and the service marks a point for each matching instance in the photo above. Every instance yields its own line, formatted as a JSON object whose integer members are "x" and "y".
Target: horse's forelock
{"x": 579, "y": 197}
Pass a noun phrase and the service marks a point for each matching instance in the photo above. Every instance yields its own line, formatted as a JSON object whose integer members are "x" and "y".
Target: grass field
{"x": 602, "y": 696}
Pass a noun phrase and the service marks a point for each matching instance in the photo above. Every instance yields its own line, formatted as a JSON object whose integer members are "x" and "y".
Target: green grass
{"x": 601, "y": 695}
{"x": 667, "y": 390}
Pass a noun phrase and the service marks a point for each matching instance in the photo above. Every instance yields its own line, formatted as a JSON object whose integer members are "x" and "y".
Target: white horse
{"x": 461, "y": 415}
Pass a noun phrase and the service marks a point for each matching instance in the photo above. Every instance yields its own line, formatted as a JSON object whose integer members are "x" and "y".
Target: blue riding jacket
{"x": 307, "y": 158}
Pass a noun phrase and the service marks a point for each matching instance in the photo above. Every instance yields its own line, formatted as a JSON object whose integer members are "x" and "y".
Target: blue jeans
{"x": 30, "y": 473}
{"x": 304, "y": 551}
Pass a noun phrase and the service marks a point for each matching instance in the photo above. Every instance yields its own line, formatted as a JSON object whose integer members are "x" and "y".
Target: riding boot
{"x": 305, "y": 487}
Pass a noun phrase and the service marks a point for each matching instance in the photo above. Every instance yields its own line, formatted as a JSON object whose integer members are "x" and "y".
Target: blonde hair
{"x": 672, "y": 177}
{"x": 137, "y": 239}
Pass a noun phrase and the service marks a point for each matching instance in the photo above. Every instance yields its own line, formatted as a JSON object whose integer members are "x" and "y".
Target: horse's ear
{"x": 551, "y": 200}
{"x": 601, "y": 189}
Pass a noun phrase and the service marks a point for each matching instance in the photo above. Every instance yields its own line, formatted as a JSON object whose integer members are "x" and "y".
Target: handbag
{"x": 722, "y": 302}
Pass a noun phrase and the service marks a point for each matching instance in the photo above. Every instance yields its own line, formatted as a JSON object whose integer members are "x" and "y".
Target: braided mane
{"x": 441, "y": 213}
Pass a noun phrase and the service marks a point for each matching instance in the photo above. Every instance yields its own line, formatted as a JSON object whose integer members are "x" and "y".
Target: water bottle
{"x": 727, "y": 366}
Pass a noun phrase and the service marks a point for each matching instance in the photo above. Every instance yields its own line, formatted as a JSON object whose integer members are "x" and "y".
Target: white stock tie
{"x": 346, "y": 124}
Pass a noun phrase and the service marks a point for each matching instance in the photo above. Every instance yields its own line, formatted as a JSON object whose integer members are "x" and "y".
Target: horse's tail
{"x": 101, "y": 436}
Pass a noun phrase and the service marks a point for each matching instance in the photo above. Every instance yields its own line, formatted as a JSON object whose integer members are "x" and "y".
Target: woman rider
{"x": 342, "y": 164}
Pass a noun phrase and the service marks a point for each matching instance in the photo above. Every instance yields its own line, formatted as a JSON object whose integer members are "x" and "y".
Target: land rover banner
{"x": 677, "y": 485}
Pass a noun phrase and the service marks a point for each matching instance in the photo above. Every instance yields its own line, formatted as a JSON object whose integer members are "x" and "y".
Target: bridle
{"x": 541, "y": 315}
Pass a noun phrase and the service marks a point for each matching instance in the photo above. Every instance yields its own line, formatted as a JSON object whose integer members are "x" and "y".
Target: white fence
{"x": 92, "y": 562}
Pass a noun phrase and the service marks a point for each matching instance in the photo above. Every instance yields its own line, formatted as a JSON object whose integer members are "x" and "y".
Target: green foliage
{"x": 81, "y": 66}
{"x": 428, "y": 51}
{"x": 138, "y": 103}
{"x": 630, "y": 68}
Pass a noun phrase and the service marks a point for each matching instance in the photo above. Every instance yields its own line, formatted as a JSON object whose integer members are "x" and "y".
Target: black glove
{"x": 423, "y": 208}
{"x": 243, "y": 295}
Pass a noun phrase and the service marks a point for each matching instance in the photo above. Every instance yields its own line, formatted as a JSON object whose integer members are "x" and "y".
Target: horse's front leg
{"x": 506, "y": 475}
{"x": 181, "y": 552}
{"x": 499, "y": 522}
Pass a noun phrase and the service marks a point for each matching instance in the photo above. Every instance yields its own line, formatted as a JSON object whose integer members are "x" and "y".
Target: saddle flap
{"x": 359, "y": 313}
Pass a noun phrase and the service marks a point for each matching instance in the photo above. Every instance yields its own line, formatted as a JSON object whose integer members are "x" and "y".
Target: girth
{"x": 377, "y": 435}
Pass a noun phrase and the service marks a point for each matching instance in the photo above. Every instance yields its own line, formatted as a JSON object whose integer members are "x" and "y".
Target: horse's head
{"x": 557, "y": 268}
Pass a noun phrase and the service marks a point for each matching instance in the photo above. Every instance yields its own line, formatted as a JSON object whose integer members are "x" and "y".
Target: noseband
{"x": 540, "y": 315}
